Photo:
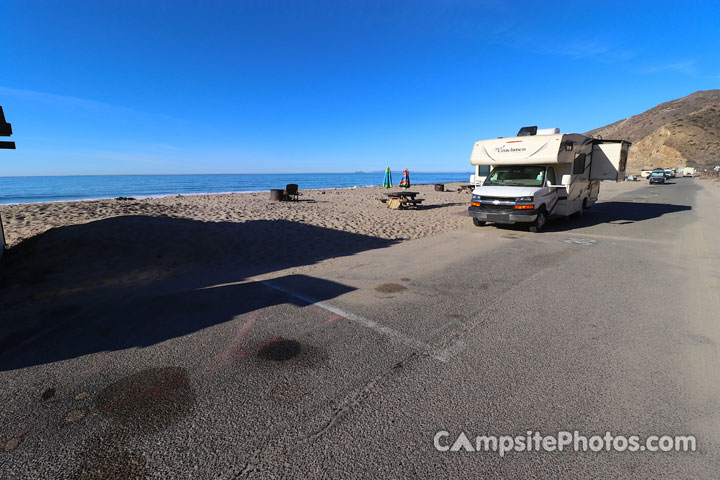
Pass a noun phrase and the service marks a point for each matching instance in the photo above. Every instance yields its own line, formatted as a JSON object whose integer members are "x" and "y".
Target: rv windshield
{"x": 519, "y": 176}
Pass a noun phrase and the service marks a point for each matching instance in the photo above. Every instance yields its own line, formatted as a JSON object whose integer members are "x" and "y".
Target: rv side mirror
{"x": 566, "y": 179}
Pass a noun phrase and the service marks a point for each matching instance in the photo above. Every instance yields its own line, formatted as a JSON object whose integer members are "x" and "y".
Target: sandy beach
{"x": 357, "y": 210}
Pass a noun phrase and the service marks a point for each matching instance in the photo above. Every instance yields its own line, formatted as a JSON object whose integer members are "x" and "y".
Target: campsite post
{"x": 5, "y": 131}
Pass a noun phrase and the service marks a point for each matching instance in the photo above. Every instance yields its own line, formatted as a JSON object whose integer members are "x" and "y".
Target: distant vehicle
{"x": 670, "y": 172}
{"x": 645, "y": 173}
{"x": 540, "y": 174}
{"x": 657, "y": 176}
{"x": 688, "y": 172}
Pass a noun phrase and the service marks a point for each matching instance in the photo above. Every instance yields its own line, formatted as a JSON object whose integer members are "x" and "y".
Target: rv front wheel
{"x": 478, "y": 223}
{"x": 539, "y": 222}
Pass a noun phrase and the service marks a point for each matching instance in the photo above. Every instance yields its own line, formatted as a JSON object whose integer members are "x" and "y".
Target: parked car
{"x": 657, "y": 176}
{"x": 670, "y": 172}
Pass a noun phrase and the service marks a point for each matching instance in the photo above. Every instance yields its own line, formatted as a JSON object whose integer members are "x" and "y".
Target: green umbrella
{"x": 387, "y": 181}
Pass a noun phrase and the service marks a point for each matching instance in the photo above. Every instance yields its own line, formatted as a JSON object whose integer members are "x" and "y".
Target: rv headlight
{"x": 524, "y": 199}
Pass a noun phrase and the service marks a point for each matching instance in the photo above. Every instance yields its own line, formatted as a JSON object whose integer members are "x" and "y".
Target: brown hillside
{"x": 681, "y": 132}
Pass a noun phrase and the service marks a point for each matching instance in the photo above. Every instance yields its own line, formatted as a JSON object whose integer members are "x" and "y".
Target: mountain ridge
{"x": 677, "y": 133}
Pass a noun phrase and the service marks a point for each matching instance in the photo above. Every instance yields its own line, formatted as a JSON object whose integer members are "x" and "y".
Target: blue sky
{"x": 105, "y": 87}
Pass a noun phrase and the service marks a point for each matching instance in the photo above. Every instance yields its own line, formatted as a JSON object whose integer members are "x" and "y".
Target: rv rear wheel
{"x": 478, "y": 223}
{"x": 539, "y": 222}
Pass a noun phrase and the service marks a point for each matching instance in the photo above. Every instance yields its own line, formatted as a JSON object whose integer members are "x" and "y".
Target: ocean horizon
{"x": 40, "y": 189}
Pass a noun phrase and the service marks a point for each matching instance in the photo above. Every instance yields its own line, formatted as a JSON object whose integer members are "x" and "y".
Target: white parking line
{"x": 614, "y": 237}
{"x": 581, "y": 241}
{"x": 365, "y": 322}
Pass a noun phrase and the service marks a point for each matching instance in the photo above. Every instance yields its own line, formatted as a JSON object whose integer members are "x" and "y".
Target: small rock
{"x": 82, "y": 396}
{"x": 12, "y": 443}
{"x": 75, "y": 415}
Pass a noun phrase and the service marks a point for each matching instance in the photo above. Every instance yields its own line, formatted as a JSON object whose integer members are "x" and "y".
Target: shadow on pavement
{"x": 620, "y": 213}
{"x": 616, "y": 213}
{"x": 135, "y": 281}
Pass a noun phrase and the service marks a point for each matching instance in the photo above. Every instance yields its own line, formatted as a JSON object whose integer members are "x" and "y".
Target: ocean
{"x": 93, "y": 187}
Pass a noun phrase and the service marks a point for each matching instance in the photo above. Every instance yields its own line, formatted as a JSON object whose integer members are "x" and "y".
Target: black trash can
{"x": 277, "y": 194}
{"x": 439, "y": 187}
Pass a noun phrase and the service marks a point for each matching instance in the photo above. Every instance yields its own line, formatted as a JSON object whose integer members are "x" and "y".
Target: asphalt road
{"x": 348, "y": 368}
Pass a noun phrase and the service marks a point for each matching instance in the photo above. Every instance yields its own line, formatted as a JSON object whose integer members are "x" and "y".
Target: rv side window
{"x": 579, "y": 164}
{"x": 551, "y": 176}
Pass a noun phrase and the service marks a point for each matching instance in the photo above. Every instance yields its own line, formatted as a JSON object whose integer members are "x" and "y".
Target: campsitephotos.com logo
{"x": 534, "y": 441}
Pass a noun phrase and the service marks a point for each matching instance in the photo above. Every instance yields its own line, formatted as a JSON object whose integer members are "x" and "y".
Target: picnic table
{"x": 403, "y": 199}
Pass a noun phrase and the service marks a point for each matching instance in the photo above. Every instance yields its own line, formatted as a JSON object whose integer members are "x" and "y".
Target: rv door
{"x": 609, "y": 160}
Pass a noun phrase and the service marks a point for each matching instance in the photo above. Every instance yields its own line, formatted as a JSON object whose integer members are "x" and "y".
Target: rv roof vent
{"x": 527, "y": 131}
{"x": 548, "y": 131}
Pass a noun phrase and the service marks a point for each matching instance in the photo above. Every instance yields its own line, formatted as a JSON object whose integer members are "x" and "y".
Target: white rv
{"x": 541, "y": 174}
